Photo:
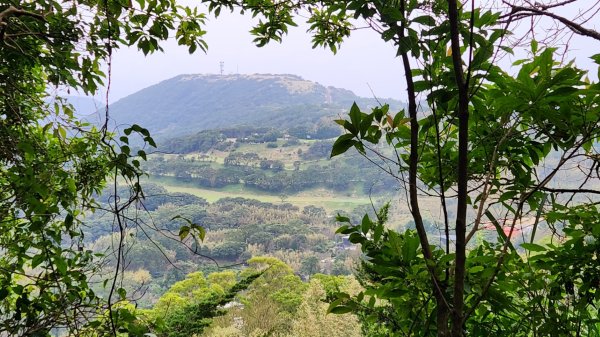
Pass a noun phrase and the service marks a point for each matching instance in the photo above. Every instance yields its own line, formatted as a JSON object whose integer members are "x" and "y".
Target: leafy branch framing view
{"x": 492, "y": 142}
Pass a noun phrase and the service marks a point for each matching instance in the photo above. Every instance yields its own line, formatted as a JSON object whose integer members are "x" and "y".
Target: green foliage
{"x": 192, "y": 318}
{"x": 277, "y": 282}
{"x": 546, "y": 286}
{"x": 51, "y": 164}
{"x": 489, "y": 141}
{"x": 312, "y": 318}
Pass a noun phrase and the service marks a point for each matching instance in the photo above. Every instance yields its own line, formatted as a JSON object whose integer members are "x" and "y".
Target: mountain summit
{"x": 189, "y": 103}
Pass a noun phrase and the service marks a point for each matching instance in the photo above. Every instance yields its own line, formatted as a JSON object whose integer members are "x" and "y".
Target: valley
{"x": 268, "y": 205}
{"x": 258, "y": 193}
{"x": 256, "y": 189}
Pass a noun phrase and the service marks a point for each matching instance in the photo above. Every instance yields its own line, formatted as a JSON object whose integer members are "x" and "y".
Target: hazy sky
{"x": 364, "y": 60}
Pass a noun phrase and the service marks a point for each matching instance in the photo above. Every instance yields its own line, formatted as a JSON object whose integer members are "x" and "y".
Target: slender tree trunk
{"x": 442, "y": 305}
{"x": 443, "y": 309}
{"x": 463, "y": 147}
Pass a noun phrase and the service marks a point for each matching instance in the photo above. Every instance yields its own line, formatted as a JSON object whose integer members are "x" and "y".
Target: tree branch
{"x": 569, "y": 190}
{"x": 14, "y": 11}
{"x": 519, "y": 12}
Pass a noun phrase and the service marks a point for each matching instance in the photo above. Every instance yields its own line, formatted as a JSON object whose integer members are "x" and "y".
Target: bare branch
{"x": 569, "y": 190}
{"x": 521, "y": 12}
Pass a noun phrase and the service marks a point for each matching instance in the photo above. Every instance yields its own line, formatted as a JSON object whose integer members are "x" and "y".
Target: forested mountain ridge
{"x": 189, "y": 103}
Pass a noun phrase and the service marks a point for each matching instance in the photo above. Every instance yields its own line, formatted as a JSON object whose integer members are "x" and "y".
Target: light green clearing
{"x": 322, "y": 198}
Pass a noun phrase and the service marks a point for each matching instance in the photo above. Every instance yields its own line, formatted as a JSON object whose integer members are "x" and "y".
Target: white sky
{"x": 364, "y": 60}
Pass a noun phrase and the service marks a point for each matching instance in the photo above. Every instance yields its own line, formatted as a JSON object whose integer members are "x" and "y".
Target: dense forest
{"x": 276, "y": 206}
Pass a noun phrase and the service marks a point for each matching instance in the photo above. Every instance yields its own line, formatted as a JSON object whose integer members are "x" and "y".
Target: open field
{"x": 331, "y": 201}
{"x": 319, "y": 197}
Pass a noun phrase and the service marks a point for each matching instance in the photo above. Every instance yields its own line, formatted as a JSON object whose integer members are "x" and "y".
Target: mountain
{"x": 85, "y": 106}
{"x": 187, "y": 104}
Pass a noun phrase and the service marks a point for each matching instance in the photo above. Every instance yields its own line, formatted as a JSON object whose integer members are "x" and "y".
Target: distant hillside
{"x": 187, "y": 104}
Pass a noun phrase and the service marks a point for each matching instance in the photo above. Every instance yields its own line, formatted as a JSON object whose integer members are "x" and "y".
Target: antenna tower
{"x": 222, "y": 66}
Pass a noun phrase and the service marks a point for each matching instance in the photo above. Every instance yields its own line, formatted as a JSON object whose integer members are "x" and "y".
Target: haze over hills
{"x": 187, "y": 104}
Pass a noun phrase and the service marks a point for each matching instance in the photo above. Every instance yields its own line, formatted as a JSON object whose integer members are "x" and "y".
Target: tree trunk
{"x": 463, "y": 162}
{"x": 442, "y": 317}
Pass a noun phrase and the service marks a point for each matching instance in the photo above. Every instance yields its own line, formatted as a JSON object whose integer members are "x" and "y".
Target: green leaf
{"x": 69, "y": 221}
{"x": 356, "y": 238}
{"x": 195, "y": 229}
{"x": 446, "y": 259}
{"x": 411, "y": 244}
{"x": 426, "y": 20}
{"x": 508, "y": 195}
{"x": 372, "y": 301}
{"x": 345, "y": 229}
{"x": 184, "y": 231}
{"x": 399, "y": 119}
{"x": 339, "y": 306}
{"x": 533, "y": 247}
{"x": 377, "y": 233}
{"x": 341, "y": 218}
{"x": 342, "y": 144}
{"x": 125, "y": 149}
{"x": 37, "y": 260}
{"x": 61, "y": 264}
{"x": 150, "y": 141}
{"x": 365, "y": 224}
{"x": 538, "y": 216}
{"x": 122, "y": 293}
{"x": 201, "y": 232}
{"x": 355, "y": 115}
{"x": 3, "y": 293}
{"x": 421, "y": 86}
{"x": 534, "y": 46}
{"x": 339, "y": 310}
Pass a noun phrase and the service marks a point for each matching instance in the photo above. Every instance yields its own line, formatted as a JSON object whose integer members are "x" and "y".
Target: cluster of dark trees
{"x": 317, "y": 150}
{"x": 268, "y": 175}
{"x": 276, "y": 182}
{"x": 251, "y": 159}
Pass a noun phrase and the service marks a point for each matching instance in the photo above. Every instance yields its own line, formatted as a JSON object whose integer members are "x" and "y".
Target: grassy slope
{"x": 330, "y": 200}
{"x": 287, "y": 154}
